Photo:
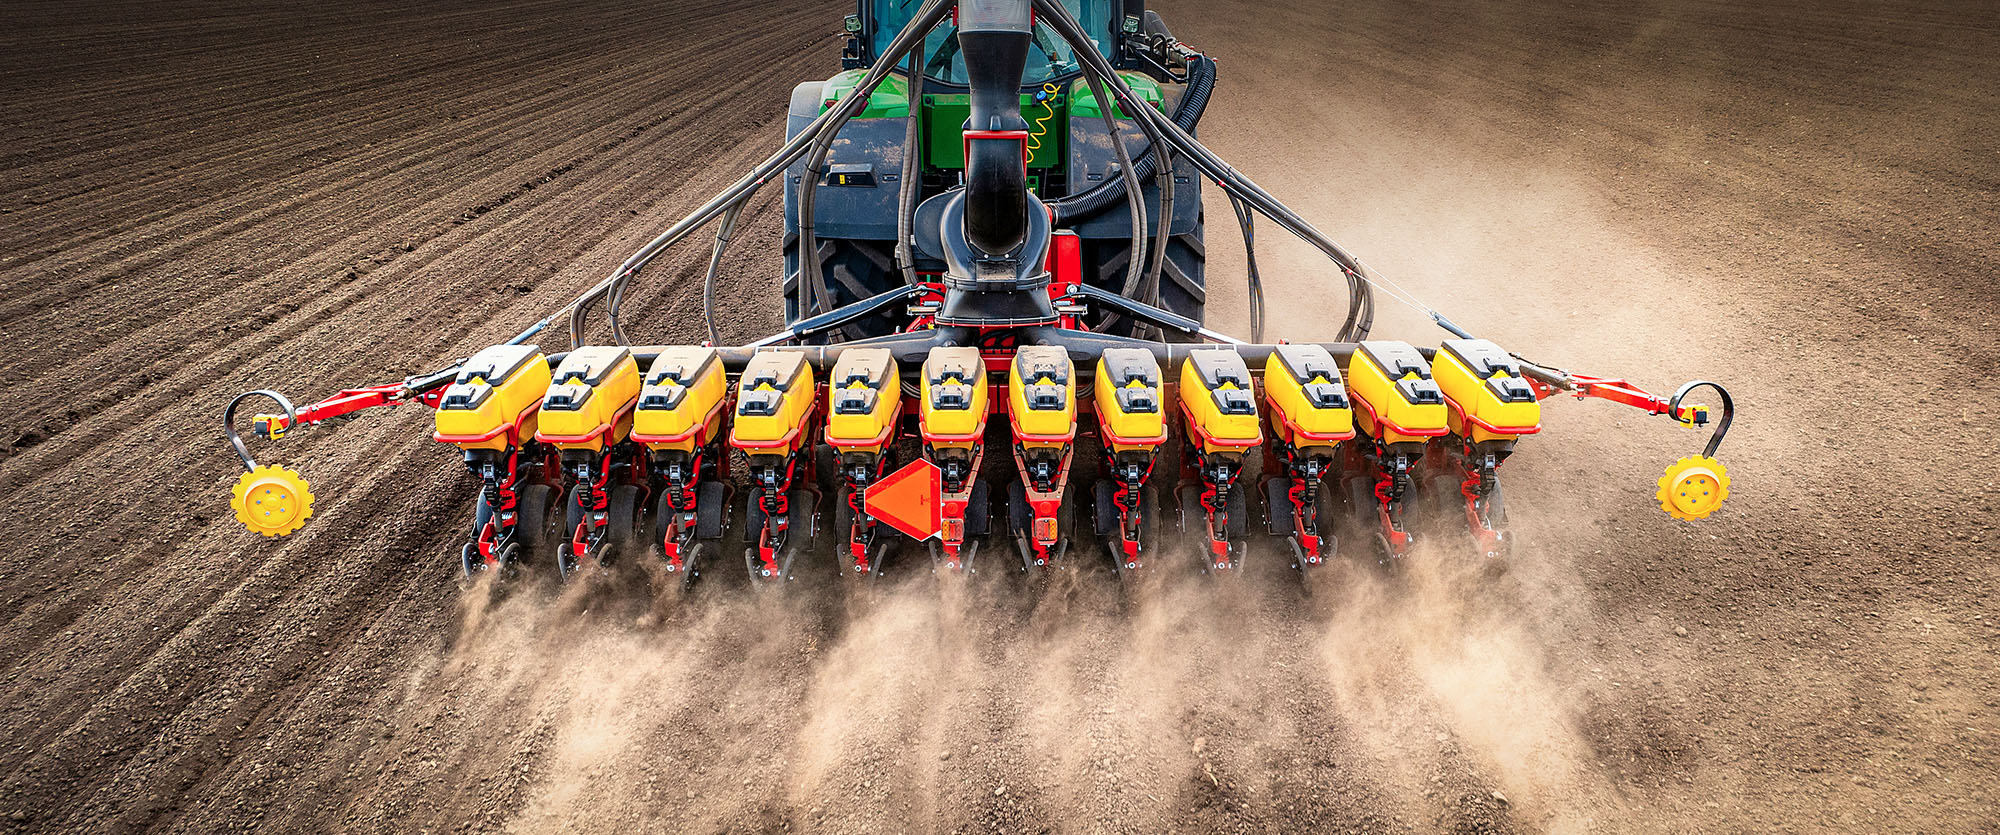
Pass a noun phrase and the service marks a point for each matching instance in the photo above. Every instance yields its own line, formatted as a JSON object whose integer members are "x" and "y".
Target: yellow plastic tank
{"x": 680, "y": 403}
{"x": 774, "y": 401}
{"x": 1129, "y": 403}
{"x": 589, "y": 403}
{"x": 1219, "y": 400}
{"x": 1396, "y": 400}
{"x": 1488, "y": 396}
{"x": 493, "y": 401}
{"x": 864, "y": 398}
{"x": 1308, "y": 397}
{"x": 1041, "y": 395}
{"x": 952, "y": 411}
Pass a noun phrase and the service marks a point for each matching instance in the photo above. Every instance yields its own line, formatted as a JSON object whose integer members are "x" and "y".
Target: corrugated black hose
{"x": 1201, "y": 83}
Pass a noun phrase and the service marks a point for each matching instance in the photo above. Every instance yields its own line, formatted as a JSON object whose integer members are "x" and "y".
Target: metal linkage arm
{"x": 1548, "y": 381}
{"x": 427, "y": 389}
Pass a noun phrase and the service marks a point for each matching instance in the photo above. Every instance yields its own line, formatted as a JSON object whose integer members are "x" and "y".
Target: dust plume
{"x": 930, "y": 703}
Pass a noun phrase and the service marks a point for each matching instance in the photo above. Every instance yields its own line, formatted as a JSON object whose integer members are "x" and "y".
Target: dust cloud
{"x": 1422, "y": 694}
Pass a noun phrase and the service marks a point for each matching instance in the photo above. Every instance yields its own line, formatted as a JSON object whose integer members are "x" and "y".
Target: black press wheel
{"x": 1239, "y": 512}
{"x": 622, "y": 535}
{"x": 711, "y": 509}
{"x": 534, "y": 535}
{"x": 468, "y": 554}
{"x": 568, "y": 561}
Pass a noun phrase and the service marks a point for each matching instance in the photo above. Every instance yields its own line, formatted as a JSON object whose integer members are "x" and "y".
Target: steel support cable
{"x": 579, "y": 308}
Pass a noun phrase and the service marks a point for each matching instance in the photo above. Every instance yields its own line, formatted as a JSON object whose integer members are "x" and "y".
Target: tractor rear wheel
{"x": 1183, "y": 288}
{"x": 850, "y": 271}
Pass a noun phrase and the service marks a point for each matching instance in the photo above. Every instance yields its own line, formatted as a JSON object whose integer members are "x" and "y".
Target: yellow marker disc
{"x": 1693, "y": 487}
{"x": 272, "y": 500}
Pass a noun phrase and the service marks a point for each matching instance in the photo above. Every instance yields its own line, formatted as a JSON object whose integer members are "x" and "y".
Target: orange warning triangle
{"x": 910, "y": 500}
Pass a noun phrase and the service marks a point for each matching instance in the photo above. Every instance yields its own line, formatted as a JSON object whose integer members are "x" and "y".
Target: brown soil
{"x": 1794, "y": 198}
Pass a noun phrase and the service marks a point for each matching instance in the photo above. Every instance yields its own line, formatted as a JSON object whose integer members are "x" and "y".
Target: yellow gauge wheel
{"x": 1694, "y": 487}
{"x": 272, "y": 500}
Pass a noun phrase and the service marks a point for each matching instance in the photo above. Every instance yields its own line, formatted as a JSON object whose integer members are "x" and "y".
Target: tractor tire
{"x": 1183, "y": 288}
{"x": 852, "y": 271}
{"x": 1020, "y": 516}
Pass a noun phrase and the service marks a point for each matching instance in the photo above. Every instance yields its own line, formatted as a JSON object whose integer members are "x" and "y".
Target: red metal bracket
{"x": 346, "y": 402}
{"x": 1620, "y": 391}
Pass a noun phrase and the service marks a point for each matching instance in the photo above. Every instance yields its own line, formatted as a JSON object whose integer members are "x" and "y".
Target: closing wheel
{"x": 1020, "y": 515}
{"x": 568, "y": 561}
{"x": 711, "y": 509}
{"x": 1278, "y": 507}
{"x": 1104, "y": 508}
{"x": 979, "y": 509}
{"x": 534, "y": 535}
{"x": 271, "y": 500}
{"x": 1239, "y": 512}
{"x": 804, "y": 504}
{"x": 621, "y": 523}
{"x": 469, "y": 561}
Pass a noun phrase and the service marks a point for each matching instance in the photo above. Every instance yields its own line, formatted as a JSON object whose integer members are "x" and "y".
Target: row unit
{"x": 597, "y": 397}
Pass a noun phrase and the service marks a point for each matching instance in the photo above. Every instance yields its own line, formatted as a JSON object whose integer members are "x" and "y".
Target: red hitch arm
{"x": 428, "y": 390}
{"x": 1548, "y": 381}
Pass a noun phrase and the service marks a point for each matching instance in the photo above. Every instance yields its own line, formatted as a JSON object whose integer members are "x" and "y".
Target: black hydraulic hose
{"x": 913, "y": 171}
{"x": 1247, "y": 221}
{"x": 810, "y": 275}
{"x": 1166, "y": 223}
{"x": 1127, "y": 175}
{"x": 1200, "y": 85}
{"x": 722, "y": 232}
{"x": 831, "y": 119}
{"x": 1360, "y": 304}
